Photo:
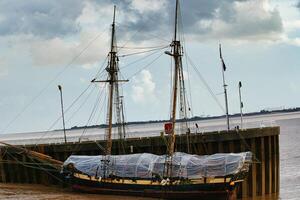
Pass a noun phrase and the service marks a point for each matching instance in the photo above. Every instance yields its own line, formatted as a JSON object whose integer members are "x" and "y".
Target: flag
{"x": 223, "y": 63}
{"x": 240, "y": 84}
{"x": 224, "y": 66}
{"x": 242, "y": 105}
{"x": 168, "y": 128}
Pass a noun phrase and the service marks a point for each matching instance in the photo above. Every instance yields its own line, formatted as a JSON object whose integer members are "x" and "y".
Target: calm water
{"x": 290, "y": 159}
{"x": 289, "y": 172}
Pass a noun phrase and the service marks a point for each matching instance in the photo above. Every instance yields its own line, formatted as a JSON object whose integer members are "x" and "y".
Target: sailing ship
{"x": 171, "y": 176}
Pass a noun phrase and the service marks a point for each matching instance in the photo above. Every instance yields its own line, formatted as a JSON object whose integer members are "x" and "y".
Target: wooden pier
{"x": 262, "y": 142}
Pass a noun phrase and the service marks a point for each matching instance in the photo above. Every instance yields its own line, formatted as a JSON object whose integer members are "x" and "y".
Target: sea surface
{"x": 289, "y": 164}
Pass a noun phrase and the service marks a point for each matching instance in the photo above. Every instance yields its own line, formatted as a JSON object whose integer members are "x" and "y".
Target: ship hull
{"x": 208, "y": 191}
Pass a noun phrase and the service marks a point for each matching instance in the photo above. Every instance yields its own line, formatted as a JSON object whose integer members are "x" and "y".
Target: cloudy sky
{"x": 46, "y": 43}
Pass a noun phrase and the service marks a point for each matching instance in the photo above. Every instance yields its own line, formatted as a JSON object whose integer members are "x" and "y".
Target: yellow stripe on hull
{"x": 151, "y": 182}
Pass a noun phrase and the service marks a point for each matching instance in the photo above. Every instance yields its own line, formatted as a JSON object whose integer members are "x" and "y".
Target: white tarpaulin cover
{"x": 147, "y": 165}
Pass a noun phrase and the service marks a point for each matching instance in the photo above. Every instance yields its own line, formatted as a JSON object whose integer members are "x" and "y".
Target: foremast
{"x": 112, "y": 72}
{"x": 114, "y": 100}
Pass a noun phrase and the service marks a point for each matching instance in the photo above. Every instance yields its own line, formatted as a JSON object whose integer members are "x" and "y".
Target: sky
{"x": 48, "y": 43}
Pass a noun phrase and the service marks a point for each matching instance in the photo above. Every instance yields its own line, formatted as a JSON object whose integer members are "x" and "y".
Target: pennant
{"x": 223, "y": 63}
{"x": 224, "y": 66}
{"x": 240, "y": 84}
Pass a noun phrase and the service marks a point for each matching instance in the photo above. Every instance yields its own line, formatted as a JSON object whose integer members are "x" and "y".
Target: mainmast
{"x": 176, "y": 53}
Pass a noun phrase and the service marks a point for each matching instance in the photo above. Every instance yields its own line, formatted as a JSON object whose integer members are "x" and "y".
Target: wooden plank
{"x": 269, "y": 169}
{"x": 2, "y": 171}
{"x": 245, "y": 182}
{"x": 220, "y": 147}
{"x": 26, "y": 172}
{"x": 11, "y": 169}
{"x": 278, "y": 164}
{"x": 19, "y": 170}
{"x": 231, "y": 147}
{"x": 254, "y": 175}
{"x": 263, "y": 166}
{"x": 274, "y": 157}
{"x": 34, "y": 176}
{"x": 209, "y": 148}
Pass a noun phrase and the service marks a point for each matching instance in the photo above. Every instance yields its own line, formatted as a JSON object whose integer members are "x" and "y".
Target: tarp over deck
{"x": 146, "y": 165}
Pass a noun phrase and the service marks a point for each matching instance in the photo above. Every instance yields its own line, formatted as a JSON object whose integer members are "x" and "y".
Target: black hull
{"x": 214, "y": 191}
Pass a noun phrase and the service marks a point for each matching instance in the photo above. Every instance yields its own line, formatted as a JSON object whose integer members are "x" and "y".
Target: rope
{"x": 189, "y": 101}
{"x": 205, "y": 84}
{"x": 141, "y": 52}
{"x": 82, "y": 104}
{"x": 78, "y": 147}
{"x": 155, "y": 59}
{"x": 153, "y": 47}
{"x": 73, "y": 103}
{"x": 138, "y": 60}
{"x": 38, "y": 164}
{"x": 56, "y": 121}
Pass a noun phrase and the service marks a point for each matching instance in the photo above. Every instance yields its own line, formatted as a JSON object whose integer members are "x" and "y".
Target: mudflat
{"x": 40, "y": 192}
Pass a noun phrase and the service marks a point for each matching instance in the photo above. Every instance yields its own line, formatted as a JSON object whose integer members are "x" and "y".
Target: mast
{"x": 176, "y": 54}
{"x": 225, "y": 87}
{"x": 176, "y": 48}
{"x": 113, "y": 88}
{"x": 111, "y": 69}
{"x": 241, "y": 103}
{"x": 62, "y": 112}
{"x": 123, "y": 117}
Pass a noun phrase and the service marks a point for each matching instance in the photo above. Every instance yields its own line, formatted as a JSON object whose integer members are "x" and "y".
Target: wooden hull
{"x": 208, "y": 191}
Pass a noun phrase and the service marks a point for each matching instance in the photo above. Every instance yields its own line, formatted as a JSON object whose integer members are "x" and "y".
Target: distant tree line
{"x": 197, "y": 118}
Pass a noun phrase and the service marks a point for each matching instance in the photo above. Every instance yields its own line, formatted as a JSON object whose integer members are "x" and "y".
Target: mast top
{"x": 176, "y": 20}
{"x": 114, "y": 18}
{"x": 112, "y": 46}
{"x": 220, "y": 51}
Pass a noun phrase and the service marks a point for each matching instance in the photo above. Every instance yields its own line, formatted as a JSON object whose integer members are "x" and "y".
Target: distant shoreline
{"x": 198, "y": 118}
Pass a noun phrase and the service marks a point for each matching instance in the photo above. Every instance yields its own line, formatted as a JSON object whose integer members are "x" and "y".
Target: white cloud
{"x": 92, "y": 37}
{"x": 291, "y": 25}
{"x": 88, "y": 14}
{"x": 291, "y": 41}
{"x": 143, "y": 88}
{"x": 147, "y": 5}
{"x": 50, "y": 52}
{"x": 248, "y": 21}
{"x": 40, "y": 18}
{"x": 60, "y": 51}
{"x": 95, "y": 15}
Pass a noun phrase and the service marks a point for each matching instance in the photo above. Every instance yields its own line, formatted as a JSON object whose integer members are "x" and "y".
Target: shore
{"x": 40, "y": 192}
